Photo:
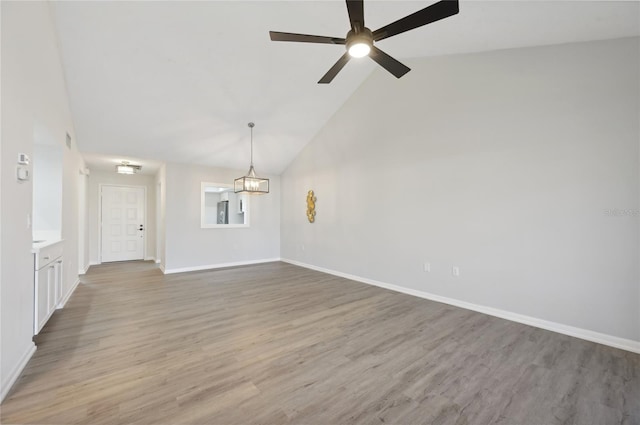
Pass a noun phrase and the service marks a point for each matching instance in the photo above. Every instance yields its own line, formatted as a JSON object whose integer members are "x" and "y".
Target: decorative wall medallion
{"x": 311, "y": 206}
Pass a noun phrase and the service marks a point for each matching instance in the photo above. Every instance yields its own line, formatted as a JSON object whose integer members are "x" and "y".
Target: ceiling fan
{"x": 359, "y": 40}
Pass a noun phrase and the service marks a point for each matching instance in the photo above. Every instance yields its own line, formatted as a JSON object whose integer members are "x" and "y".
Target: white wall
{"x": 47, "y": 190}
{"x": 33, "y": 96}
{"x": 161, "y": 196}
{"x": 187, "y": 245}
{"x": 96, "y": 178}
{"x": 5, "y": 381}
{"x": 502, "y": 163}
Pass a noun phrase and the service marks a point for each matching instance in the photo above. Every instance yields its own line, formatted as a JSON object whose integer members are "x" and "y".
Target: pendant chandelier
{"x": 251, "y": 183}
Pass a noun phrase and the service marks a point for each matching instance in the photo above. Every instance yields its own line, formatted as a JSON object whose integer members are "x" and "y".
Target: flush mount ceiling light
{"x": 127, "y": 168}
{"x": 251, "y": 183}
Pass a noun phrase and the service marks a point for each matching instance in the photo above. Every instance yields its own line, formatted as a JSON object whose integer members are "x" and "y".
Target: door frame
{"x": 144, "y": 216}
{"x": 83, "y": 222}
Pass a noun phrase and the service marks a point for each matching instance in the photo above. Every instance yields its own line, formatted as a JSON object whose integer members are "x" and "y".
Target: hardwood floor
{"x": 276, "y": 344}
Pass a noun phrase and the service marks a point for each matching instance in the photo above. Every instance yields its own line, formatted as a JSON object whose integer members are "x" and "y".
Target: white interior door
{"x": 122, "y": 227}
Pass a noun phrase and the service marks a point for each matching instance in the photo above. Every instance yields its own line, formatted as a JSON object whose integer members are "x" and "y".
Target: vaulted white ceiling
{"x": 179, "y": 81}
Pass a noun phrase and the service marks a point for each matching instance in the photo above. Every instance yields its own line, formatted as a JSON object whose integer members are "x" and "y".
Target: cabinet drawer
{"x": 47, "y": 254}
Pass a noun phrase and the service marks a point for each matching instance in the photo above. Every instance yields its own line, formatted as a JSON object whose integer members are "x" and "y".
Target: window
{"x": 221, "y": 207}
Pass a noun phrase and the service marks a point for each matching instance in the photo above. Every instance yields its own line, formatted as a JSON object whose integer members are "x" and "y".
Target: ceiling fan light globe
{"x": 359, "y": 50}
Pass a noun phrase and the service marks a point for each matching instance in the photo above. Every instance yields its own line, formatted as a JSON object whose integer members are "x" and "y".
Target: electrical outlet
{"x": 22, "y": 174}
{"x": 426, "y": 267}
{"x": 455, "y": 271}
{"x": 302, "y": 247}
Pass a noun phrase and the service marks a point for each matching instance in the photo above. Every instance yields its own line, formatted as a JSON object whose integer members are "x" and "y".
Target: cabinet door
{"x": 58, "y": 296}
{"x": 51, "y": 283}
{"x": 41, "y": 299}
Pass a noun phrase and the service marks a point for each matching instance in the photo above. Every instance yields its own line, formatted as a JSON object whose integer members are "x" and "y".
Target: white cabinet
{"x": 51, "y": 288}
{"x": 47, "y": 283}
{"x": 58, "y": 291}
{"x": 41, "y": 299}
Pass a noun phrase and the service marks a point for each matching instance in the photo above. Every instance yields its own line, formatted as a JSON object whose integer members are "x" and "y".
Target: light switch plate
{"x": 23, "y": 159}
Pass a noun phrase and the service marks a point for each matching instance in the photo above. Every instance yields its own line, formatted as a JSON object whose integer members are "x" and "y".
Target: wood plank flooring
{"x": 278, "y": 344}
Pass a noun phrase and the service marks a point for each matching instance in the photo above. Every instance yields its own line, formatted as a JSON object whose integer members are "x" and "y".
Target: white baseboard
{"x": 218, "y": 266}
{"x": 600, "y": 338}
{"x": 62, "y": 303}
{"x": 162, "y": 268}
{"x": 17, "y": 370}
{"x": 93, "y": 263}
{"x": 85, "y": 270}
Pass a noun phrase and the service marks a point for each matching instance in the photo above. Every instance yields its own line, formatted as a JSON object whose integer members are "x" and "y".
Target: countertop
{"x": 39, "y": 245}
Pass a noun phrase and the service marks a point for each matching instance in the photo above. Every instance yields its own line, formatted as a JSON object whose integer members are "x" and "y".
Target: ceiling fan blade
{"x": 356, "y": 14}
{"x": 435, "y": 12}
{"x": 326, "y": 79}
{"x": 304, "y": 38}
{"x": 388, "y": 63}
